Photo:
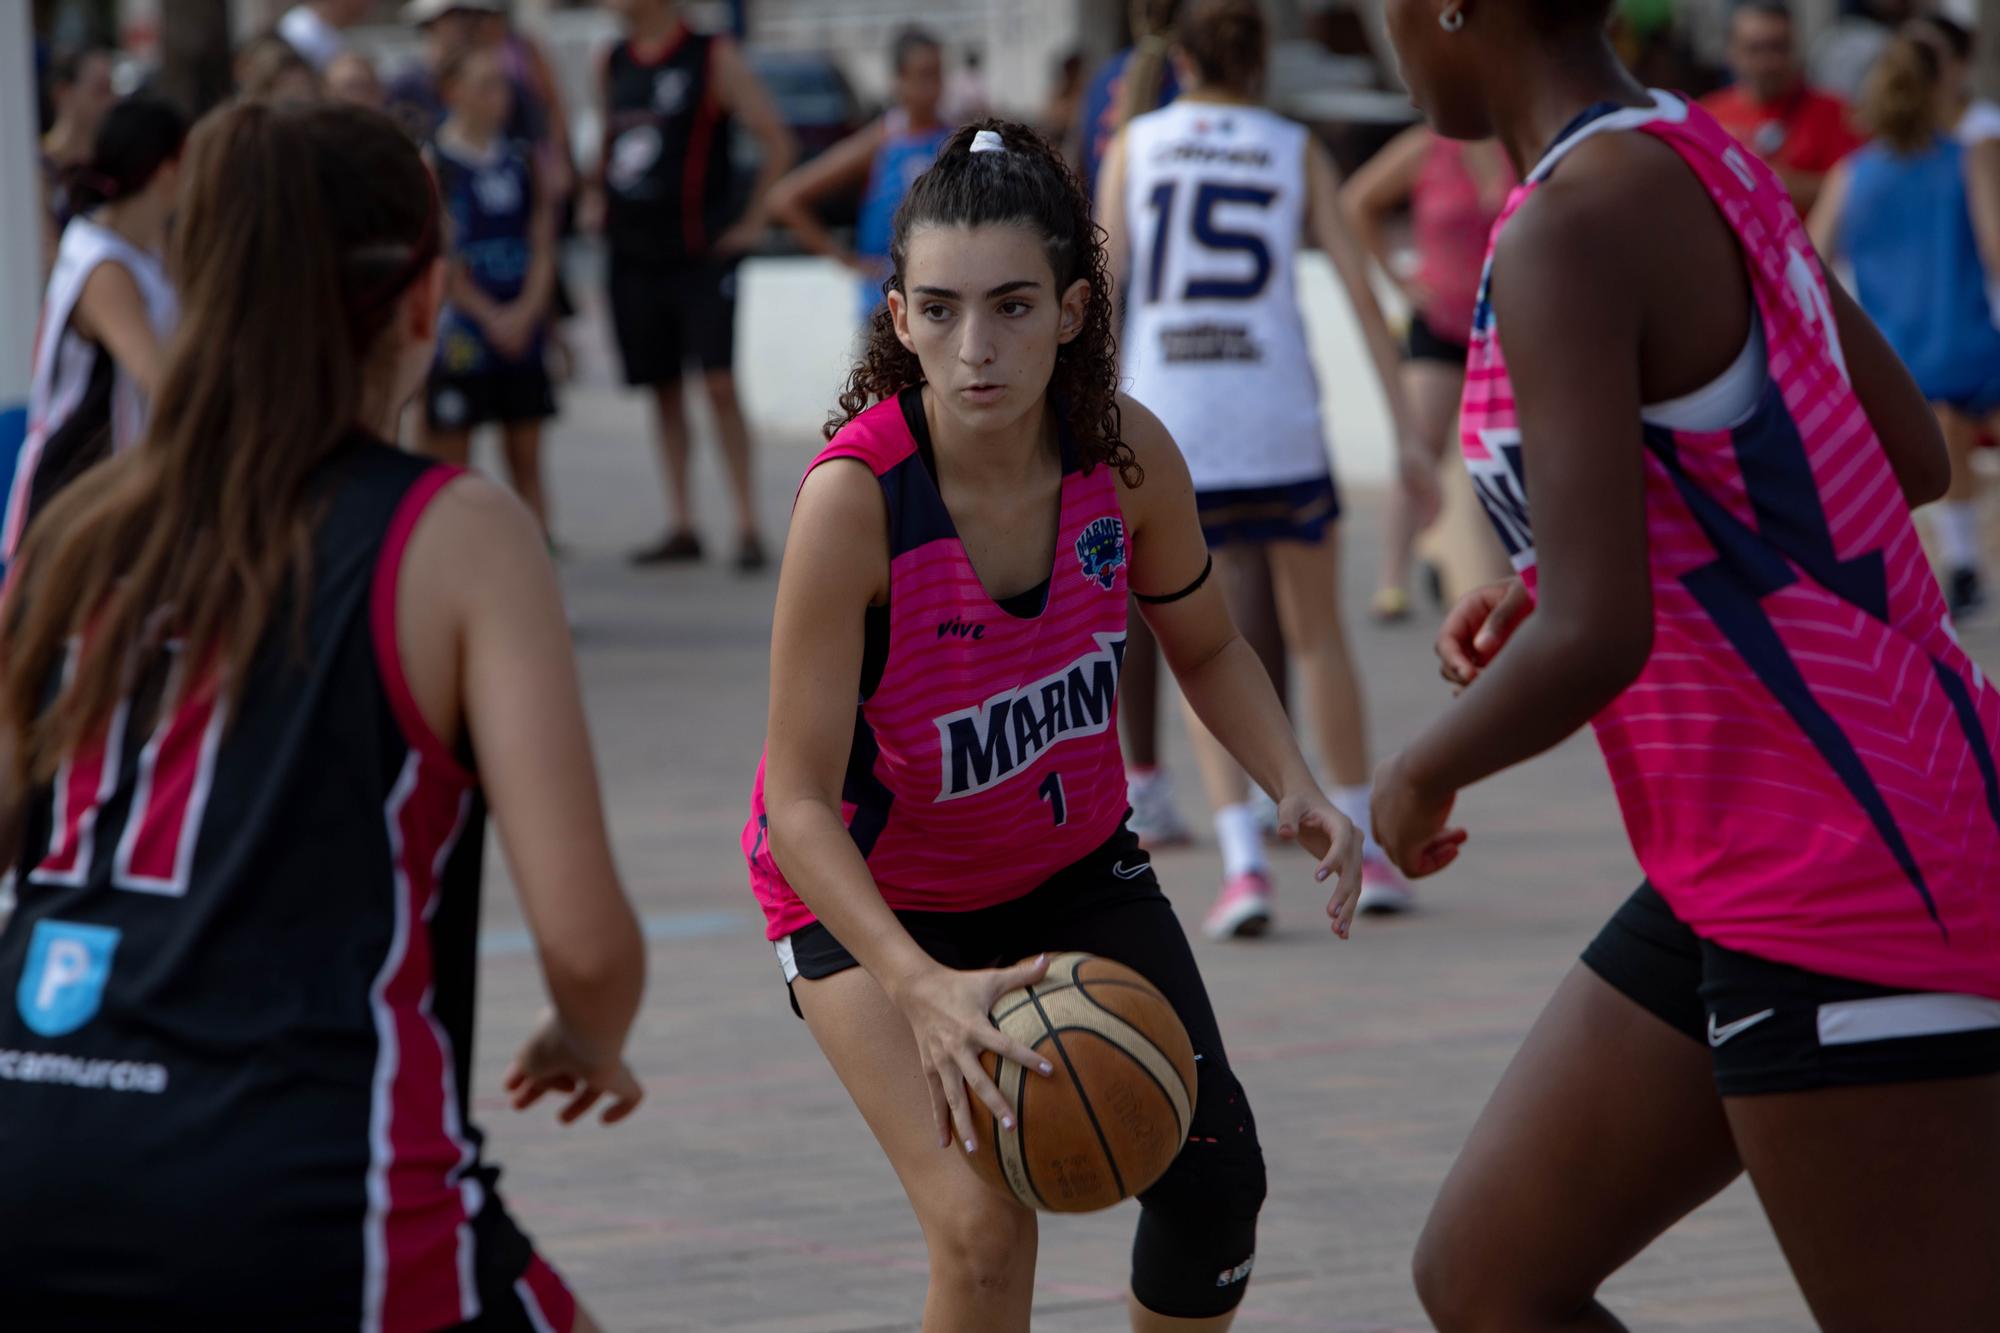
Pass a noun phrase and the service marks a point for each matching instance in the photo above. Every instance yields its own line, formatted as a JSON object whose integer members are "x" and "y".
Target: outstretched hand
{"x": 1310, "y": 819}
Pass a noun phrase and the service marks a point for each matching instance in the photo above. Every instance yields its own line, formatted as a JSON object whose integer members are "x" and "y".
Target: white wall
{"x": 795, "y": 339}
{"x": 20, "y": 232}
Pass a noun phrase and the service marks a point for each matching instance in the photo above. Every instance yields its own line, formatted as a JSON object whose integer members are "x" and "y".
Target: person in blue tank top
{"x": 501, "y": 238}
{"x": 1917, "y": 214}
{"x": 882, "y": 161}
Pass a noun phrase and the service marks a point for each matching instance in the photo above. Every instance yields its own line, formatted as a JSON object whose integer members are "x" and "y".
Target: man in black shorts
{"x": 675, "y": 228}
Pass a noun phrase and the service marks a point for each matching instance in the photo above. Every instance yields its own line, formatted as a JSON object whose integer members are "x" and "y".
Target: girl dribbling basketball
{"x": 958, "y": 565}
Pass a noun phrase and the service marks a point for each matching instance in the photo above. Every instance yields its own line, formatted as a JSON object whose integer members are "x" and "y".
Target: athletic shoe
{"x": 1383, "y": 890}
{"x": 1154, "y": 817}
{"x": 1242, "y": 910}
{"x": 750, "y": 555}
{"x": 1963, "y": 592}
{"x": 674, "y": 548}
{"x": 1390, "y": 606}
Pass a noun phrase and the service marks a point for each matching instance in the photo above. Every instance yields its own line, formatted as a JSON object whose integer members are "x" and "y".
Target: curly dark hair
{"x": 1029, "y": 185}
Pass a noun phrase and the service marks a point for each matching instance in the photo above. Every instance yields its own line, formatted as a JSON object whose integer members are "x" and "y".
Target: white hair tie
{"x": 988, "y": 141}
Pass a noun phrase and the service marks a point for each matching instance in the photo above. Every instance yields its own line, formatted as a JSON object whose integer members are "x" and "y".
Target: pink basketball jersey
{"x": 986, "y": 756}
{"x": 1805, "y": 765}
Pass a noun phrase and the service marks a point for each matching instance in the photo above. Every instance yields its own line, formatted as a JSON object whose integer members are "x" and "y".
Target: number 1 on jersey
{"x": 1052, "y": 792}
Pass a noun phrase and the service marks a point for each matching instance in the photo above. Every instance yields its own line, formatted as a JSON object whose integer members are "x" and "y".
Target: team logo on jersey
{"x": 1101, "y": 551}
{"x": 982, "y": 747}
{"x": 633, "y": 154}
{"x": 63, "y": 983}
{"x": 499, "y": 190}
{"x": 670, "y": 91}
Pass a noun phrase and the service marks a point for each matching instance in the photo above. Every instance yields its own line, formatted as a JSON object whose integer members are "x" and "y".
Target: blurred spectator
{"x": 1847, "y": 50}
{"x": 317, "y": 30}
{"x": 268, "y": 69}
{"x": 1455, "y": 192}
{"x": 881, "y": 161}
{"x": 540, "y": 117}
{"x": 80, "y": 96}
{"x": 1134, "y": 81}
{"x": 501, "y": 246}
{"x": 351, "y": 77}
{"x": 449, "y": 28}
{"x": 1918, "y": 215}
{"x": 675, "y": 226}
{"x": 965, "y": 95}
{"x": 108, "y": 308}
{"x": 1065, "y": 100}
{"x": 1972, "y": 119}
{"x": 1798, "y": 130}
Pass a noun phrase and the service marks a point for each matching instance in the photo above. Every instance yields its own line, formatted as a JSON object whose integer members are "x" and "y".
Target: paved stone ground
{"x": 747, "y": 1195}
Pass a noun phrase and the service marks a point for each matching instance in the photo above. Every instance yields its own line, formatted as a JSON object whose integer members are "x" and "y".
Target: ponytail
{"x": 139, "y": 136}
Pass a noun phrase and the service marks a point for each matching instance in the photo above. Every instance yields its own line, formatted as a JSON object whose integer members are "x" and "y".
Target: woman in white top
{"x": 107, "y": 310}
{"x": 1205, "y": 202}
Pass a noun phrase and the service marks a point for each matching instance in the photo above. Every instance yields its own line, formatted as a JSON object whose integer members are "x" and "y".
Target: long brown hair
{"x": 1028, "y": 185}
{"x": 1146, "y": 72}
{"x": 1899, "y": 103}
{"x": 1229, "y": 42}
{"x": 299, "y": 228}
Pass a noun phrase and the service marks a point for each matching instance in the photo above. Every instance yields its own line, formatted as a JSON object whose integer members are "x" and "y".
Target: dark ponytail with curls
{"x": 1028, "y": 185}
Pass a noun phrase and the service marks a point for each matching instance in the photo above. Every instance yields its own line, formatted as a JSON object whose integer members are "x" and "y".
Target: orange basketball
{"x": 1111, "y": 1118}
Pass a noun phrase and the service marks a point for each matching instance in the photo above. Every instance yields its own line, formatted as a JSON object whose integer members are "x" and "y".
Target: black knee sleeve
{"x": 1198, "y": 1223}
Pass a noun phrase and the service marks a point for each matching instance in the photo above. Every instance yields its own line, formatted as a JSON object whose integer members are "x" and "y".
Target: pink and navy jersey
{"x": 985, "y": 754}
{"x": 1806, "y": 764}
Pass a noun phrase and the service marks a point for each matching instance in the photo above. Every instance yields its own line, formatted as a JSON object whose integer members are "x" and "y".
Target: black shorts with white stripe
{"x": 1777, "y": 1028}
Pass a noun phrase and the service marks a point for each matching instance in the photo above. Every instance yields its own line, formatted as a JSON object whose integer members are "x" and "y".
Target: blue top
{"x": 489, "y": 203}
{"x": 903, "y": 155}
{"x": 1100, "y": 110}
{"x": 1907, "y": 227}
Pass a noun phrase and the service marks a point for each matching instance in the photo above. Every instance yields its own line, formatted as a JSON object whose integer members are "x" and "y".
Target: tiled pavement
{"x": 746, "y": 1194}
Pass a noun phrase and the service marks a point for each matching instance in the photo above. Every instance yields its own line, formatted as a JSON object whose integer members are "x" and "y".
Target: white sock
{"x": 1353, "y": 802}
{"x": 1242, "y": 843}
{"x": 1140, "y": 782}
{"x": 1957, "y": 533}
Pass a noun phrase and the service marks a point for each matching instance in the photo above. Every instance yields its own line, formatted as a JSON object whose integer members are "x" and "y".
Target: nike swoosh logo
{"x": 1124, "y": 871}
{"x": 1717, "y": 1034}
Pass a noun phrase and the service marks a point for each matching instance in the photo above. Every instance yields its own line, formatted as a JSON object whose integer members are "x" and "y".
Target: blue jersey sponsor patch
{"x": 63, "y": 982}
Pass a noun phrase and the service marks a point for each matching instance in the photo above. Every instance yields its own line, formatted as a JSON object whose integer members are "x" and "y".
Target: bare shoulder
{"x": 1607, "y": 208}
{"x": 474, "y": 534}
{"x": 840, "y": 531}
{"x": 1151, "y": 443}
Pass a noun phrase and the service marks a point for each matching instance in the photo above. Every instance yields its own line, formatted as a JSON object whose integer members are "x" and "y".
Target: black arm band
{"x": 1188, "y": 591}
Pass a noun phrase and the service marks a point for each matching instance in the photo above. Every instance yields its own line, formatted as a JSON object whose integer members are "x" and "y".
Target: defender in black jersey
{"x": 247, "y": 803}
{"x": 676, "y": 225}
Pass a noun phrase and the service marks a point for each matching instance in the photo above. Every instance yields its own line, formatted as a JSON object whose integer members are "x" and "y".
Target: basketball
{"x": 1112, "y": 1117}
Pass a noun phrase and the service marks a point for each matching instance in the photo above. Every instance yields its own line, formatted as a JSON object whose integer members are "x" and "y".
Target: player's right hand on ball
{"x": 1479, "y": 627}
{"x": 950, "y": 1013}
{"x": 549, "y": 1062}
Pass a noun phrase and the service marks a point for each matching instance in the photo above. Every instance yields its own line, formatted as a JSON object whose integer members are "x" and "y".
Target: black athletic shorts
{"x": 1777, "y": 1028}
{"x": 669, "y": 314}
{"x": 1297, "y": 511}
{"x": 1425, "y": 343}
{"x": 461, "y": 402}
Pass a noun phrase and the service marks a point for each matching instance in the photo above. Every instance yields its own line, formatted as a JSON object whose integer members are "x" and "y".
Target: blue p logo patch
{"x": 63, "y": 982}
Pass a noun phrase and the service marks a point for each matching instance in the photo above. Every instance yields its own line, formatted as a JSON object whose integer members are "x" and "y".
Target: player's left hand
{"x": 550, "y": 1062}
{"x": 1410, "y": 823}
{"x": 1309, "y": 819}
